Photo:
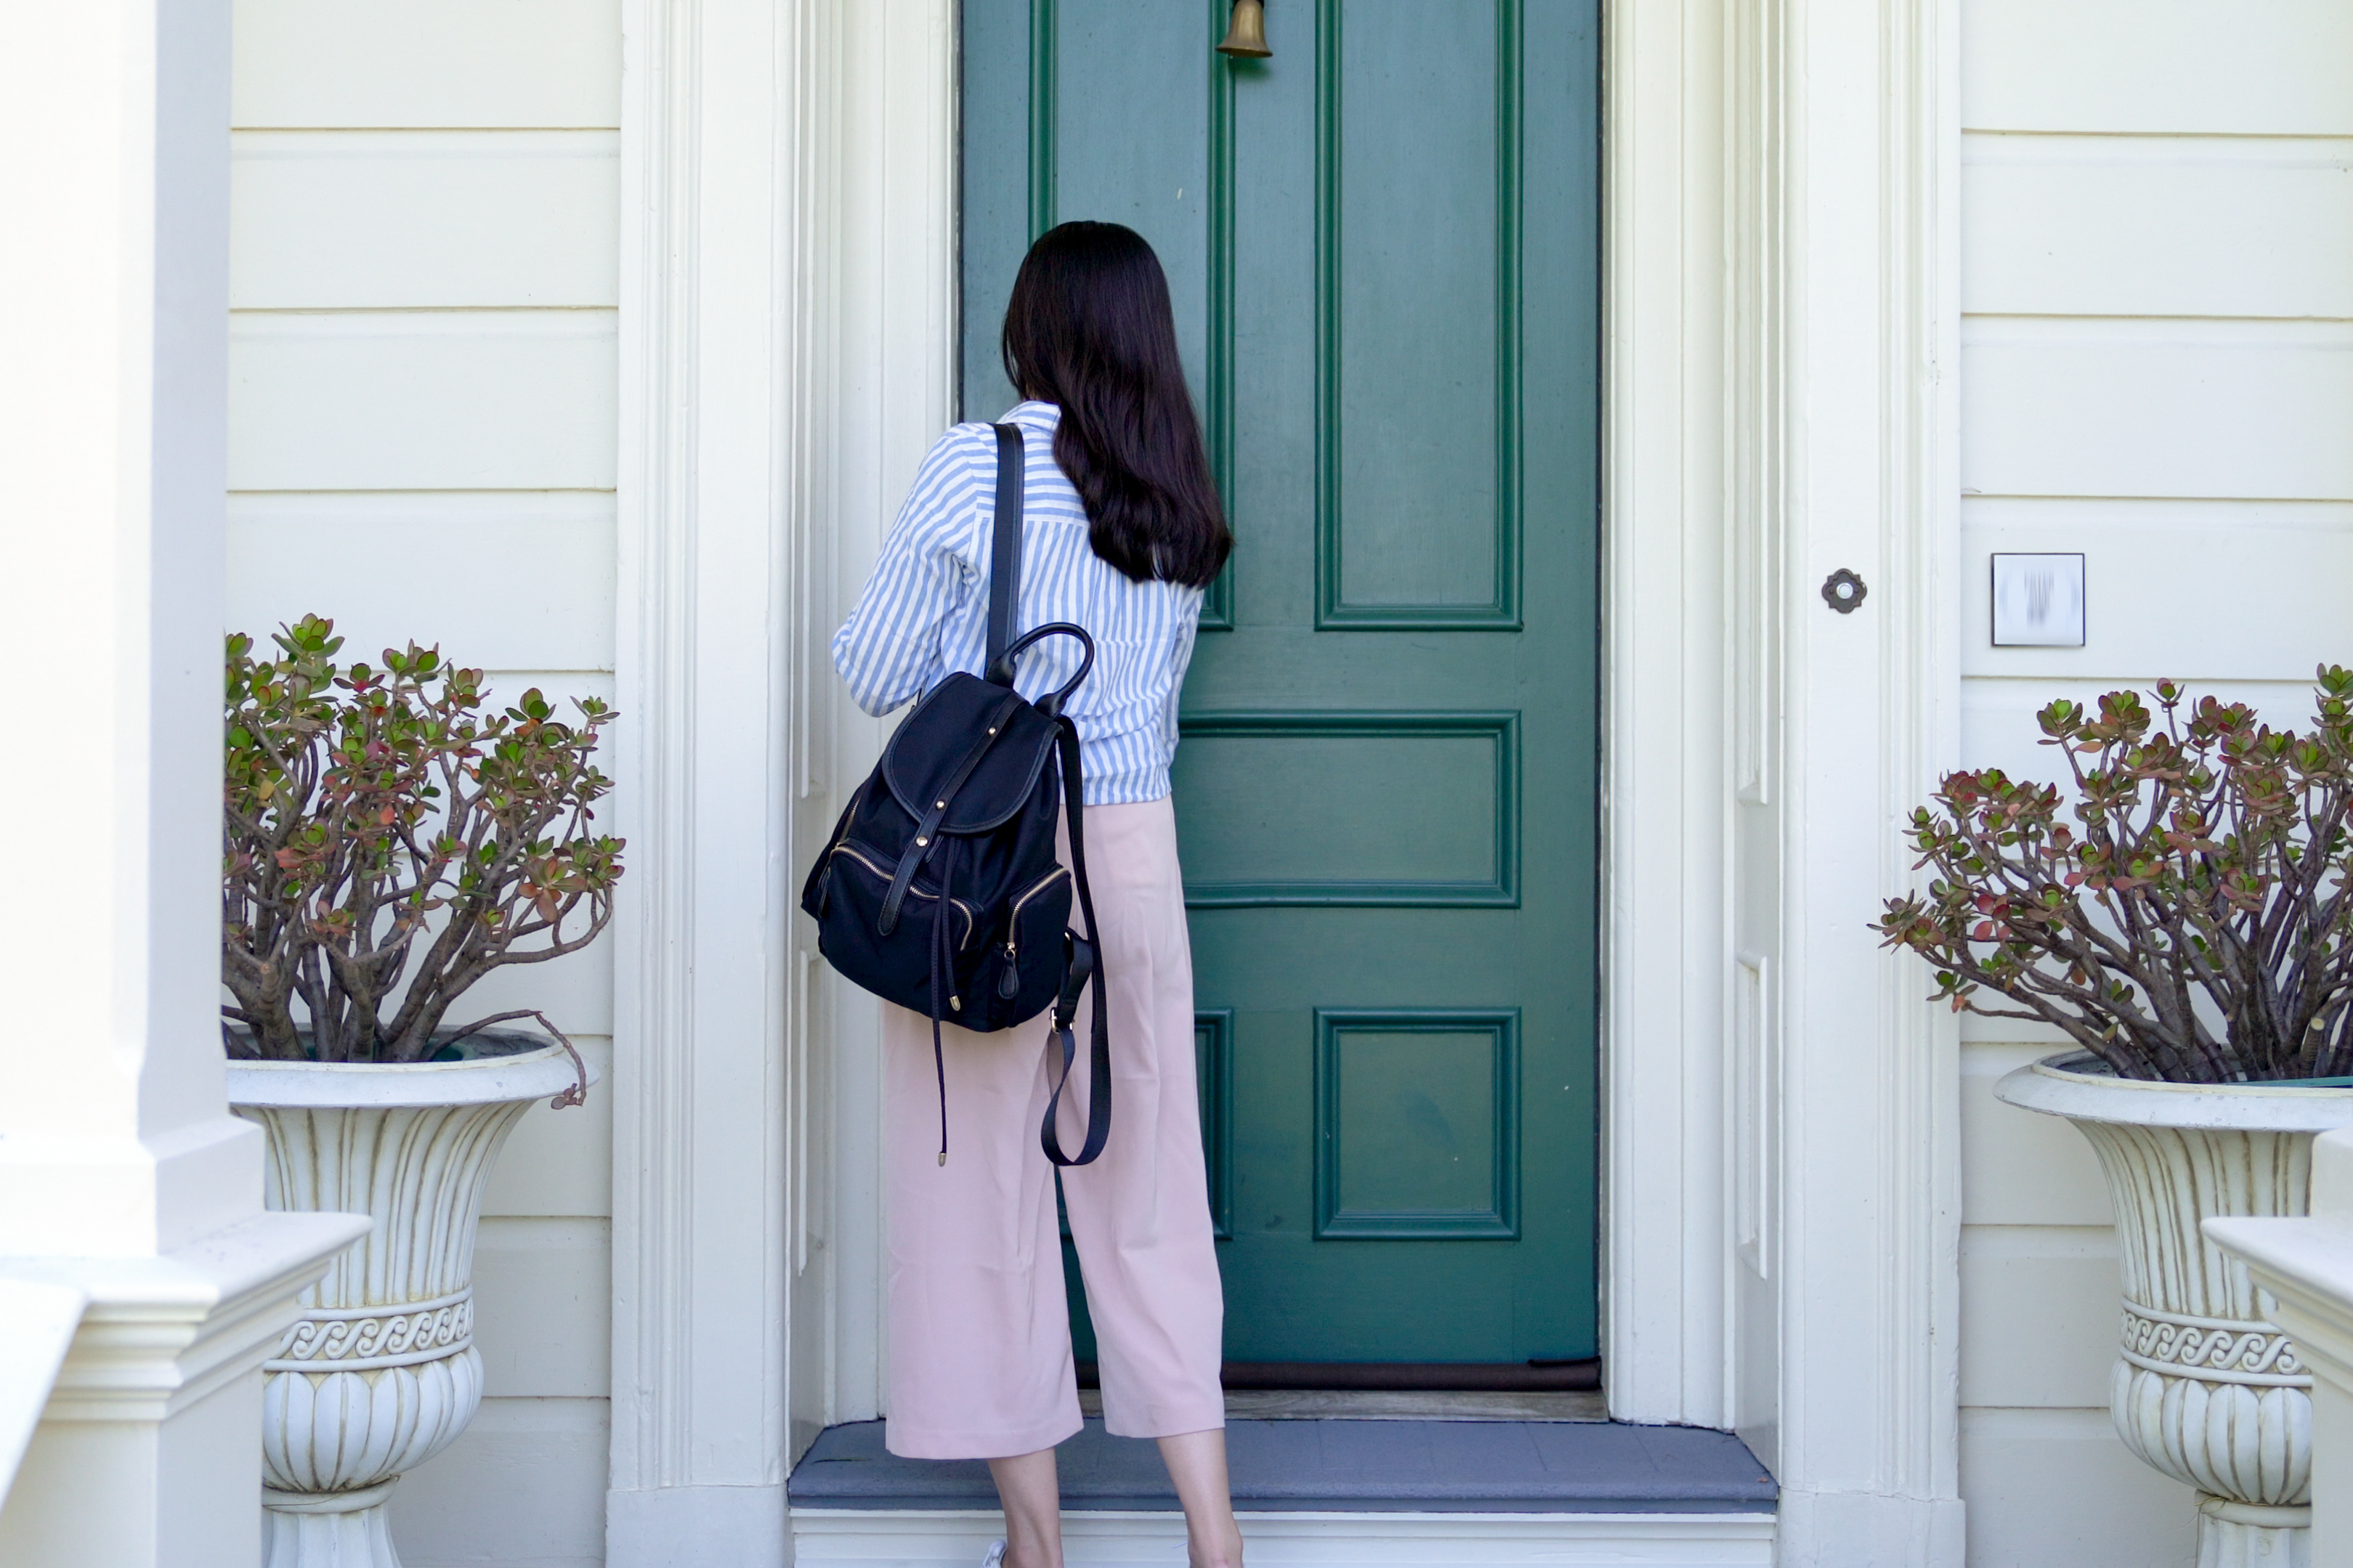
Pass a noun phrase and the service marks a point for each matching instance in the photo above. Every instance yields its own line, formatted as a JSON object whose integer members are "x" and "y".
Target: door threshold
{"x": 1396, "y": 1405}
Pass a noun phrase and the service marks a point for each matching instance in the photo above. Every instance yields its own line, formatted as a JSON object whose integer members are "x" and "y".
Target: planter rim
{"x": 527, "y": 1075}
{"x": 2056, "y": 1087}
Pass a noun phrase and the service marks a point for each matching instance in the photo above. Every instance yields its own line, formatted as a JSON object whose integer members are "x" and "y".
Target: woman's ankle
{"x": 1225, "y": 1552}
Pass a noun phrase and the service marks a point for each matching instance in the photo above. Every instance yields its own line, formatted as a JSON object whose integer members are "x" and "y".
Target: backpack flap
{"x": 935, "y": 744}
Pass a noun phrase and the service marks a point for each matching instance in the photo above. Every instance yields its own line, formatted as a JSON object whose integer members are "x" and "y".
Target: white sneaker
{"x": 996, "y": 1557}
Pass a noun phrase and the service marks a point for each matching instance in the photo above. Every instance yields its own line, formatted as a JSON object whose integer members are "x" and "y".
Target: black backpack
{"x": 939, "y": 889}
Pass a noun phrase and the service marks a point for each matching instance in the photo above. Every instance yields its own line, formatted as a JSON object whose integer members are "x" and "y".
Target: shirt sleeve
{"x": 889, "y": 649}
{"x": 1187, "y": 632}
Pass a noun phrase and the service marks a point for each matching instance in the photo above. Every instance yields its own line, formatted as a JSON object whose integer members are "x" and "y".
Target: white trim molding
{"x": 787, "y": 341}
{"x": 1781, "y": 309}
{"x": 709, "y": 150}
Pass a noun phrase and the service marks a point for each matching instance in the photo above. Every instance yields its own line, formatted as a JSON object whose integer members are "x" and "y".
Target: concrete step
{"x": 1396, "y": 1493}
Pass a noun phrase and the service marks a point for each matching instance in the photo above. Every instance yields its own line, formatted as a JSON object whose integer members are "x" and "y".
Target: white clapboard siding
{"x": 2023, "y": 1168}
{"x": 536, "y": 590}
{"x": 2157, "y": 226}
{"x": 448, "y": 400}
{"x": 2242, "y": 67}
{"x": 2264, "y": 583}
{"x": 350, "y": 219}
{"x": 425, "y": 238}
{"x": 543, "y": 1305}
{"x": 2135, "y": 407}
{"x": 523, "y": 1486}
{"x": 2038, "y": 1314}
{"x": 369, "y": 64}
{"x": 2054, "y": 1489}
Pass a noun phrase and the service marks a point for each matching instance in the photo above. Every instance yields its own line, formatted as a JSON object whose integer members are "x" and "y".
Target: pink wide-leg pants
{"x": 980, "y": 1335}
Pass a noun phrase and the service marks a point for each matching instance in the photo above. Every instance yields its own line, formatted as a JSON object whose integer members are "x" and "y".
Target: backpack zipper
{"x": 971, "y": 916}
{"x": 1013, "y": 922}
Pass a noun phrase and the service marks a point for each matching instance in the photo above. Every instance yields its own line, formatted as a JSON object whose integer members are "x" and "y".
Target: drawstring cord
{"x": 941, "y": 964}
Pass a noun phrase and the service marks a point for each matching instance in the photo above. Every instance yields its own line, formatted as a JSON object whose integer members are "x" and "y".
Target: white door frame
{"x": 1780, "y": 319}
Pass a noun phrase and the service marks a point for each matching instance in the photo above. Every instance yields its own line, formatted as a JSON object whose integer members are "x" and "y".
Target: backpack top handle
{"x": 1051, "y": 703}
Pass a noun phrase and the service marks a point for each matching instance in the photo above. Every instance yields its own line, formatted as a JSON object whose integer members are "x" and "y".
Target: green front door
{"x": 1382, "y": 244}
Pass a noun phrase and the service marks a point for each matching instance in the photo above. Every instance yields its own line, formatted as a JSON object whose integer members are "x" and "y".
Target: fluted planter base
{"x": 380, "y": 1372}
{"x": 2206, "y": 1388}
{"x": 327, "y": 1530}
{"x": 2248, "y": 1535}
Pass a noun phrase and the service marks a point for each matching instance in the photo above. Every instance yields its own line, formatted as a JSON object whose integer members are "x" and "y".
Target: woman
{"x": 1122, "y": 531}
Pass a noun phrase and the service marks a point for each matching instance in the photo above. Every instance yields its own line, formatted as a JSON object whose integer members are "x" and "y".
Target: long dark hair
{"x": 1089, "y": 328}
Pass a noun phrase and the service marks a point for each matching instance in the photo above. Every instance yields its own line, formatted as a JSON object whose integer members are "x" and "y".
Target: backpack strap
{"x": 1005, "y": 555}
{"x": 1086, "y": 966}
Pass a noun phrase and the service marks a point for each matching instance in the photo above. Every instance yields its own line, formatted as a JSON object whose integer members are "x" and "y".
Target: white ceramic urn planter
{"x": 2205, "y": 1388}
{"x": 380, "y": 1373}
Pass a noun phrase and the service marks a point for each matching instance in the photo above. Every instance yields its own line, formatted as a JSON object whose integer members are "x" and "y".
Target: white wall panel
{"x": 535, "y": 590}
{"x": 2274, "y": 67}
{"x": 559, "y": 1163}
{"x": 2226, "y": 590}
{"x": 429, "y": 400}
{"x": 522, "y": 1488}
{"x": 2156, "y": 226}
{"x": 543, "y": 1306}
{"x": 2083, "y": 408}
{"x": 2056, "y": 1487}
{"x": 2039, "y": 1314}
{"x": 2018, "y": 1167}
{"x": 323, "y": 64}
{"x": 346, "y": 219}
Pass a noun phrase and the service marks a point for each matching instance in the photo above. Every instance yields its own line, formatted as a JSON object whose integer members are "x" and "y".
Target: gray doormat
{"x": 1450, "y": 1467}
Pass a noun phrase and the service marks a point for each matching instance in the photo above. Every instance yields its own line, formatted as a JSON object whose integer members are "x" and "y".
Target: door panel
{"x": 1382, "y": 244}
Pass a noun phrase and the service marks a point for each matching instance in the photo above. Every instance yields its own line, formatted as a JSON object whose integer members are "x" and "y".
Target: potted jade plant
{"x": 388, "y": 842}
{"x": 2182, "y": 911}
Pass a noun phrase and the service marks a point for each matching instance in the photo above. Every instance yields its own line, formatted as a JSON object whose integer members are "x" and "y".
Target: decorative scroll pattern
{"x": 359, "y": 1340}
{"x": 2216, "y": 1349}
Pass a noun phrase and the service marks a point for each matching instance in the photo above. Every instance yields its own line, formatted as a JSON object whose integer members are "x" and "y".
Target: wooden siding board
{"x": 2057, "y": 1488}
{"x": 2019, "y": 1168}
{"x": 2264, "y": 583}
{"x": 326, "y": 64}
{"x": 536, "y": 590}
{"x": 523, "y": 1486}
{"x": 355, "y": 219}
{"x": 423, "y": 400}
{"x": 2144, "y": 225}
{"x": 559, "y": 1163}
{"x": 1999, "y": 728}
{"x": 2038, "y": 1314}
{"x": 2277, "y": 68}
{"x": 2253, "y": 410}
{"x": 543, "y": 1307}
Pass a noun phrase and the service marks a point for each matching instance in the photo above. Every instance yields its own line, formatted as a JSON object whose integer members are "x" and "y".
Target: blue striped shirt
{"x": 924, "y": 613}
